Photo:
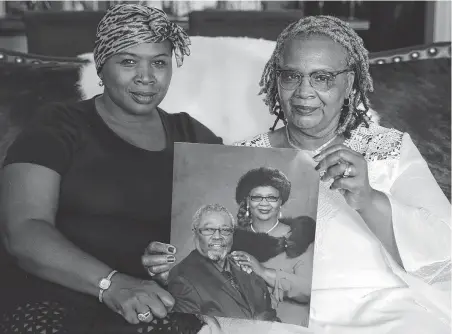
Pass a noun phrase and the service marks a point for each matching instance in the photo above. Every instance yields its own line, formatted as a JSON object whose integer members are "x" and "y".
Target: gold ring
{"x": 347, "y": 170}
{"x": 144, "y": 316}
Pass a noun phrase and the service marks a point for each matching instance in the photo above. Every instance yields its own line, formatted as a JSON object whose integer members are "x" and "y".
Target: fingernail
{"x": 172, "y": 249}
{"x": 170, "y": 259}
{"x": 316, "y": 157}
{"x": 317, "y": 167}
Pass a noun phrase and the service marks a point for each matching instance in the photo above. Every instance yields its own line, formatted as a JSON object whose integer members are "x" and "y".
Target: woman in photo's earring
{"x": 277, "y": 248}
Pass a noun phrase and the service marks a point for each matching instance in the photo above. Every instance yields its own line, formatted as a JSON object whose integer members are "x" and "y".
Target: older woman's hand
{"x": 132, "y": 297}
{"x": 158, "y": 259}
{"x": 349, "y": 171}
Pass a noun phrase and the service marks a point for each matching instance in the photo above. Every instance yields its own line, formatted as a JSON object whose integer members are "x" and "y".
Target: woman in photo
{"x": 277, "y": 248}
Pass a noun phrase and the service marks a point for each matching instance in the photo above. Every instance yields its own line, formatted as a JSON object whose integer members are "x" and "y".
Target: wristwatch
{"x": 105, "y": 283}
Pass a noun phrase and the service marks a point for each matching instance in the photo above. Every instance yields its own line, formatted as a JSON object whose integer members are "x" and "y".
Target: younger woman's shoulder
{"x": 71, "y": 113}
{"x": 186, "y": 128}
{"x": 52, "y": 136}
{"x": 261, "y": 140}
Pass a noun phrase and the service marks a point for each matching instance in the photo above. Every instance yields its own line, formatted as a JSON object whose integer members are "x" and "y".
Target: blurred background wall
{"x": 383, "y": 25}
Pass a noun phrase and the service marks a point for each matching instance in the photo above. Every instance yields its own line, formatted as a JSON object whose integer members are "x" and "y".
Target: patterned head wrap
{"x": 127, "y": 25}
{"x": 262, "y": 177}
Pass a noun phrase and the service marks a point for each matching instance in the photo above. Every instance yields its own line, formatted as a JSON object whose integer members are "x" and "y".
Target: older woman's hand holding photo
{"x": 348, "y": 171}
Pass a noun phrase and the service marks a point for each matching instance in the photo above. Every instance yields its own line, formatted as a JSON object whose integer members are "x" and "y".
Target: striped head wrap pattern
{"x": 127, "y": 25}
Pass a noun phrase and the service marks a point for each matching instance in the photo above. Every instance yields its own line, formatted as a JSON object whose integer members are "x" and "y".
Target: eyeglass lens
{"x": 261, "y": 198}
{"x": 211, "y": 231}
{"x": 321, "y": 80}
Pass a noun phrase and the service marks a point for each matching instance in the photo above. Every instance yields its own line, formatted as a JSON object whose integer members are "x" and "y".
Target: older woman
{"x": 87, "y": 187}
{"x": 277, "y": 248}
{"x": 383, "y": 239}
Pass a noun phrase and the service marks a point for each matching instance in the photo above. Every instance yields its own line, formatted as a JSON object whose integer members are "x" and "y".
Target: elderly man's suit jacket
{"x": 199, "y": 287}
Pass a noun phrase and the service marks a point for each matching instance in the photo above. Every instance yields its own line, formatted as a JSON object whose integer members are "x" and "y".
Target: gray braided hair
{"x": 357, "y": 60}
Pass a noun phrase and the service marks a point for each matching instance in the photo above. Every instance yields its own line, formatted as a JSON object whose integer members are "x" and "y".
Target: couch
{"x": 412, "y": 91}
{"x": 218, "y": 84}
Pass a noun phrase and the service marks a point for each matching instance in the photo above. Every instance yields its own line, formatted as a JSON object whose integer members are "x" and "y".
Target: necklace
{"x": 316, "y": 151}
{"x": 276, "y": 224}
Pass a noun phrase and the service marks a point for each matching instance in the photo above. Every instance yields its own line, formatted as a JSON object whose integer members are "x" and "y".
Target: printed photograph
{"x": 243, "y": 222}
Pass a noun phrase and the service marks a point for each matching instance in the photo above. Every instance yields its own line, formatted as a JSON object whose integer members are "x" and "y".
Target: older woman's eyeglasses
{"x": 206, "y": 231}
{"x": 261, "y": 198}
{"x": 320, "y": 80}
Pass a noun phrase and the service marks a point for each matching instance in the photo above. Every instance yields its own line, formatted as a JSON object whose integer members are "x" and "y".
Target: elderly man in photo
{"x": 208, "y": 281}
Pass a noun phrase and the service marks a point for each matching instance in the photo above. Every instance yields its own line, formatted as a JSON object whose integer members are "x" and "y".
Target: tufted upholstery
{"x": 412, "y": 53}
{"x": 14, "y": 57}
{"x": 412, "y": 90}
{"x": 419, "y": 52}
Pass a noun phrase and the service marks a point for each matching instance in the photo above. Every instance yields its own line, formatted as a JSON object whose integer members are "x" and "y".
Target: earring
{"x": 247, "y": 213}
{"x": 346, "y": 103}
{"x": 279, "y": 116}
{"x": 280, "y": 213}
{"x": 101, "y": 83}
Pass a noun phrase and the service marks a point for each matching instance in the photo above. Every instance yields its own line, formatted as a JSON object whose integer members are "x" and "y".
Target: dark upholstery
{"x": 52, "y": 33}
{"x": 29, "y": 82}
{"x": 412, "y": 93}
{"x": 415, "y": 97}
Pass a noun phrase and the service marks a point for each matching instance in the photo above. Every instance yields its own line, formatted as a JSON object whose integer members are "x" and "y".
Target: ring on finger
{"x": 144, "y": 316}
{"x": 347, "y": 171}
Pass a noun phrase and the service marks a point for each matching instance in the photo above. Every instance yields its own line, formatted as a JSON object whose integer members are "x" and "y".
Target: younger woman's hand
{"x": 130, "y": 297}
{"x": 158, "y": 259}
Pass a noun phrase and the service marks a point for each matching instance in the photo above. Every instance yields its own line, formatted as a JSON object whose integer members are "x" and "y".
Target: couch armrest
{"x": 412, "y": 53}
{"x": 9, "y": 56}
